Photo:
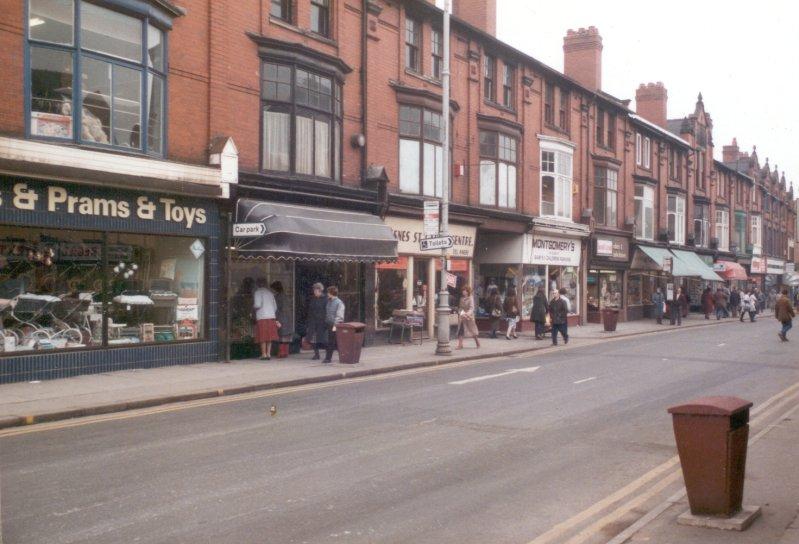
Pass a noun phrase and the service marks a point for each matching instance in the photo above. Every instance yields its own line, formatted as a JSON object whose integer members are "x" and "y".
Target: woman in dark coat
{"x": 316, "y": 330}
{"x": 707, "y": 302}
{"x": 538, "y": 315}
{"x": 494, "y": 310}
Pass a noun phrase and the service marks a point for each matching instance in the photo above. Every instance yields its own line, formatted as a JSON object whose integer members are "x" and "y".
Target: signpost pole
{"x": 228, "y": 287}
{"x": 443, "y": 345}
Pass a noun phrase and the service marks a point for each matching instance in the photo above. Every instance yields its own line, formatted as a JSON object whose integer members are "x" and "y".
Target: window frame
{"x": 563, "y": 109}
{"x": 294, "y": 109}
{"x": 704, "y": 221}
{"x": 644, "y": 200}
{"x": 549, "y": 103}
{"x": 600, "y": 127}
{"x": 562, "y": 183}
{"x": 323, "y": 8}
{"x": 647, "y": 152}
{"x": 607, "y": 196}
{"x": 497, "y": 160}
{"x": 285, "y": 7}
{"x": 639, "y": 149}
{"x": 678, "y": 235}
{"x": 723, "y": 228}
{"x": 436, "y": 53}
{"x": 490, "y": 78}
{"x": 79, "y": 56}
{"x": 413, "y": 47}
{"x": 509, "y": 86}
{"x": 422, "y": 140}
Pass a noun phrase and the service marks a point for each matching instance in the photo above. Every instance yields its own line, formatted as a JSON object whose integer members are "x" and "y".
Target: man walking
{"x": 783, "y": 311}
{"x": 559, "y": 312}
{"x": 735, "y": 302}
{"x": 676, "y": 307}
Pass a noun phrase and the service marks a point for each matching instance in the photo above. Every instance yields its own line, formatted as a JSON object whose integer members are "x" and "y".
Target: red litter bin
{"x": 349, "y": 341}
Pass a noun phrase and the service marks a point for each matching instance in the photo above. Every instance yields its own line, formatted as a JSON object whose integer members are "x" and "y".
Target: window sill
{"x": 309, "y": 33}
{"x": 290, "y": 176}
{"x": 426, "y": 79}
{"x": 604, "y": 147}
{"x": 556, "y": 128}
{"x": 497, "y": 105}
{"x": 106, "y": 148}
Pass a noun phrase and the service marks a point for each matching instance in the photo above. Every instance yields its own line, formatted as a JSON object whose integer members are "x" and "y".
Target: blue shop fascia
{"x": 94, "y": 279}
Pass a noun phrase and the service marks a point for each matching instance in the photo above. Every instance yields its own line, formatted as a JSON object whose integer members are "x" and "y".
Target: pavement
{"x": 570, "y": 445}
{"x": 27, "y": 403}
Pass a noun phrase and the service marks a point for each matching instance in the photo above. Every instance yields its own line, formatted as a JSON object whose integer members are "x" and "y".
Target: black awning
{"x": 301, "y": 232}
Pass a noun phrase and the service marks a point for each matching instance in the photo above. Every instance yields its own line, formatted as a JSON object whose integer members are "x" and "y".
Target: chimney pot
{"x": 731, "y": 153}
{"x": 582, "y": 56}
{"x": 481, "y": 14}
{"x": 651, "y": 101}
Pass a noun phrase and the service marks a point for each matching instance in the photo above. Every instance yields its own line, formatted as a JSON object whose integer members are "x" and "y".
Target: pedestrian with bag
{"x": 784, "y": 312}
{"x": 266, "y": 323}
{"x": 334, "y": 315}
{"x": 511, "y": 309}
{"x": 494, "y": 310}
{"x": 466, "y": 322}
{"x": 559, "y": 313}
{"x": 316, "y": 330}
{"x": 538, "y": 314}
{"x": 708, "y": 302}
{"x": 659, "y": 303}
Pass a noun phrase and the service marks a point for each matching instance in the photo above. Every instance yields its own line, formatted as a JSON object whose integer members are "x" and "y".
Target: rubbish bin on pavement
{"x": 712, "y": 435}
{"x": 349, "y": 340}
{"x": 610, "y": 318}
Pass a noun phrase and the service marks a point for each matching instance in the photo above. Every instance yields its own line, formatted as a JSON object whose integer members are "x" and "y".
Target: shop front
{"x": 775, "y": 269}
{"x": 97, "y": 279}
{"x": 414, "y": 280}
{"x": 757, "y": 272}
{"x": 296, "y": 247}
{"x": 650, "y": 268}
{"x": 607, "y": 276}
{"x": 733, "y": 273}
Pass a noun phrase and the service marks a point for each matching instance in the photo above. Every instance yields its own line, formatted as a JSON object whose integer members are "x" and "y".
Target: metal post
{"x": 443, "y": 346}
{"x": 228, "y": 287}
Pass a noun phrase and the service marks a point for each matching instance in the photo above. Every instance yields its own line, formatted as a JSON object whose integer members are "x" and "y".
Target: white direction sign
{"x": 439, "y": 242}
{"x": 431, "y": 217}
{"x": 242, "y": 230}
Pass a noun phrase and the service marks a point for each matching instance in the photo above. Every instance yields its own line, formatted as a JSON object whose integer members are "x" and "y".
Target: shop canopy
{"x": 791, "y": 279}
{"x": 688, "y": 264}
{"x": 650, "y": 258}
{"x": 301, "y": 232}
{"x": 731, "y": 271}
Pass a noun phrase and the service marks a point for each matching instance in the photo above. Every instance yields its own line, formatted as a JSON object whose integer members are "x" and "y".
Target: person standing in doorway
{"x": 466, "y": 322}
{"x": 538, "y": 314}
{"x": 707, "y": 302}
{"x": 283, "y": 316}
{"x": 784, "y": 312}
{"x": 267, "y": 325}
{"x": 316, "y": 330}
{"x": 658, "y": 301}
{"x": 511, "y": 309}
{"x": 334, "y": 315}
{"x": 559, "y": 313}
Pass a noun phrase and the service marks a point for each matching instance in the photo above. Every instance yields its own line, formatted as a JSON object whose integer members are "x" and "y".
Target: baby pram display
{"x": 38, "y": 325}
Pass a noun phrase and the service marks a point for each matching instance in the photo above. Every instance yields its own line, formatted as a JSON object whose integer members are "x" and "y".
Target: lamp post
{"x": 442, "y": 313}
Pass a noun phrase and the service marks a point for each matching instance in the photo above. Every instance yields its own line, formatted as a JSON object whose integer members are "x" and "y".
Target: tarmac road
{"x": 495, "y": 452}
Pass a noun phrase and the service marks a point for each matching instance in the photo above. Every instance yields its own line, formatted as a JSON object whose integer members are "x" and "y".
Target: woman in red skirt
{"x": 266, "y": 327}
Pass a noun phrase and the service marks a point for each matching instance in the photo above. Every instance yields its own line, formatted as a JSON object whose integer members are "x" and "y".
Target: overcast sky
{"x": 742, "y": 56}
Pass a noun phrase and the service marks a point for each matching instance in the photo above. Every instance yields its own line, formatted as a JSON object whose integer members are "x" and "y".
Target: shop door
{"x": 345, "y": 276}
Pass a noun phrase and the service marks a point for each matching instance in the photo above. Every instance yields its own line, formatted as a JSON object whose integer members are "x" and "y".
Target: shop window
{"x": 605, "y": 196}
{"x": 301, "y": 122}
{"x": 556, "y": 183}
{"x": 641, "y": 287}
{"x": 55, "y": 289}
{"x": 497, "y": 170}
{"x": 436, "y": 53}
{"x": 701, "y": 225}
{"x": 675, "y": 214}
{"x": 421, "y": 151}
{"x": 644, "y": 212}
{"x": 281, "y": 9}
{"x": 566, "y": 277}
{"x": 243, "y": 277}
{"x": 392, "y": 285}
{"x": 604, "y": 290}
{"x": 723, "y": 229}
{"x": 117, "y": 98}
{"x": 413, "y": 36}
{"x": 320, "y": 17}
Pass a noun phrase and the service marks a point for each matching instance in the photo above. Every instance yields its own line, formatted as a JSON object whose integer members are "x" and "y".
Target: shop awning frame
{"x": 294, "y": 232}
{"x": 652, "y": 258}
{"x": 732, "y": 271}
{"x": 688, "y": 264}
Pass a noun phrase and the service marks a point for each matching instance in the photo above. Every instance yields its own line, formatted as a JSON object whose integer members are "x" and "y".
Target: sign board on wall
{"x": 615, "y": 248}
{"x": 431, "y": 217}
{"x": 410, "y": 232}
{"x": 775, "y": 266}
{"x": 555, "y": 251}
{"x": 758, "y": 265}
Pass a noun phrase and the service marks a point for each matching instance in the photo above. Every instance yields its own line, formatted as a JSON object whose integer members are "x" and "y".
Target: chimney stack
{"x": 481, "y": 14}
{"x": 582, "y": 57}
{"x": 731, "y": 153}
{"x": 650, "y": 103}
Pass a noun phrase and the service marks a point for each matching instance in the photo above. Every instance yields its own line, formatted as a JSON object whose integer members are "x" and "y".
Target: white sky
{"x": 742, "y": 56}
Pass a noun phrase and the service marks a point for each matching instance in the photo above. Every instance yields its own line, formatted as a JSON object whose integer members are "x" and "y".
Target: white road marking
{"x": 491, "y": 376}
{"x": 585, "y": 380}
{"x": 722, "y": 345}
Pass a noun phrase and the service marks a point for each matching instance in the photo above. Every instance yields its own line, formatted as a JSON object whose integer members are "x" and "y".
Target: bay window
{"x": 97, "y": 76}
{"x": 556, "y": 183}
{"x": 723, "y": 229}
{"x": 644, "y": 212}
{"x": 701, "y": 225}
{"x": 301, "y": 121}
{"x": 497, "y": 170}
{"x": 675, "y": 214}
{"x": 605, "y": 196}
{"x": 421, "y": 152}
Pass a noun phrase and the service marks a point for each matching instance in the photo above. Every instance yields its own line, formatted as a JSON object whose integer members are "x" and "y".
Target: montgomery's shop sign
{"x": 78, "y": 200}
{"x": 556, "y": 251}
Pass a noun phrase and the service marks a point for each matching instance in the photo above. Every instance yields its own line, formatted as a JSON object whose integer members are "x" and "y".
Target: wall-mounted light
{"x": 358, "y": 140}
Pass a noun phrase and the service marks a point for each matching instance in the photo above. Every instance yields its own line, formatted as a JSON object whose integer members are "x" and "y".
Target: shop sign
{"x": 452, "y": 280}
{"x": 431, "y": 217}
{"x": 790, "y": 268}
{"x": 58, "y": 199}
{"x": 248, "y": 230}
{"x": 556, "y": 251}
{"x": 775, "y": 266}
{"x": 668, "y": 264}
{"x": 410, "y": 233}
{"x": 613, "y": 247}
{"x": 758, "y": 265}
{"x": 439, "y": 242}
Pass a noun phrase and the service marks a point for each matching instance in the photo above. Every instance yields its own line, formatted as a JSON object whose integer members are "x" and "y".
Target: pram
{"x": 28, "y": 310}
{"x": 70, "y": 319}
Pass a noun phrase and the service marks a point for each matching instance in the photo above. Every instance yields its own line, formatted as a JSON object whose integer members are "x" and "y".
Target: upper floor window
{"x": 421, "y": 152}
{"x": 639, "y": 149}
{"x": 301, "y": 121}
{"x": 721, "y": 188}
{"x": 413, "y": 33}
{"x": 497, "y": 169}
{"x": 436, "y": 53}
{"x": 756, "y": 231}
{"x": 490, "y": 78}
{"x": 600, "y": 126}
{"x": 97, "y": 76}
{"x": 700, "y": 169}
{"x": 675, "y": 214}
{"x": 723, "y": 229}
{"x": 508, "y": 83}
{"x": 549, "y": 103}
{"x": 320, "y": 17}
{"x": 701, "y": 224}
{"x": 644, "y": 212}
{"x": 563, "y": 112}
{"x": 556, "y": 183}
{"x": 605, "y": 196}
{"x": 675, "y": 164}
{"x": 281, "y": 9}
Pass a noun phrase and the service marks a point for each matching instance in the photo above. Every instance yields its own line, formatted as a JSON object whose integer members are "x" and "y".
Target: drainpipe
{"x": 364, "y": 107}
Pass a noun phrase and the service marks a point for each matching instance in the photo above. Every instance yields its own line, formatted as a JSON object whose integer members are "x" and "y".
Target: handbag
{"x": 496, "y": 312}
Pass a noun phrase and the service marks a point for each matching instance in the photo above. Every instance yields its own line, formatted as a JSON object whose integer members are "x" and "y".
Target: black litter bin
{"x": 349, "y": 340}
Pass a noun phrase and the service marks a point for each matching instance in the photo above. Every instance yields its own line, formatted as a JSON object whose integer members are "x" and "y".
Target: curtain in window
{"x": 409, "y": 166}
{"x": 276, "y": 141}
{"x": 304, "y": 145}
{"x": 502, "y": 186}
{"x": 488, "y": 183}
{"x": 322, "y": 149}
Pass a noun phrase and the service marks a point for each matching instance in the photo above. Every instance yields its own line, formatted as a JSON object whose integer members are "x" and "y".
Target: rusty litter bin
{"x": 712, "y": 435}
{"x": 349, "y": 340}
{"x": 610, "y": 318}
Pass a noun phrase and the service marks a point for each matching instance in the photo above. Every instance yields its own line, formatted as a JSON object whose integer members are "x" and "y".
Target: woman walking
{"x": 707, "y": 302}
{"x": 466, "y": 323}
{"x": 511, "y": 309}
{"x": 267, "y": 325}
{"x": 538, "y": 315}
{"x": 316, "y": 332}
{"x": 334, "y": 315}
